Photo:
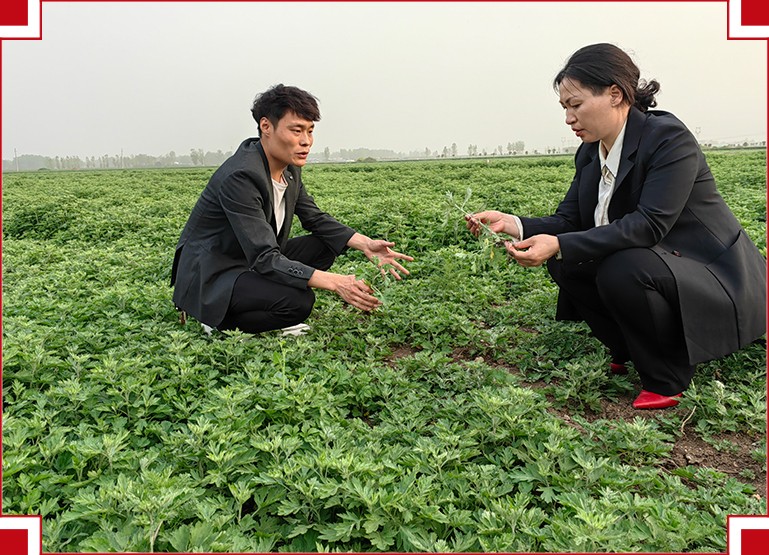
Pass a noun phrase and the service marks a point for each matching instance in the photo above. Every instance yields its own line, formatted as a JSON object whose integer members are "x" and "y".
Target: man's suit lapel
{"x": 269, "y": 211}
{"x": 290, "y": 197}
{"x": 292, "y": 193}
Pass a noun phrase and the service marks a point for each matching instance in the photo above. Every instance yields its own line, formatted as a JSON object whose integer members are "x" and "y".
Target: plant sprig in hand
{"x": 487, "y": 237}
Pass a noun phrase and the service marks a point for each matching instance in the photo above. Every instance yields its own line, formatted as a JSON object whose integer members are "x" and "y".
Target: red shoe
{"x": 618, "y": 369}
{"x": 649, "y": 400}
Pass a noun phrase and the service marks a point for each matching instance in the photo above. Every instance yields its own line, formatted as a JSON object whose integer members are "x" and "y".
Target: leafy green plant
{"x": 436, "y": 425}
{"x": 486, "y": 237}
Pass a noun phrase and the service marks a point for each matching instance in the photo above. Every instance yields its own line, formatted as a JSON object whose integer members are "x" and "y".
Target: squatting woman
{"x": 642, "y": 247}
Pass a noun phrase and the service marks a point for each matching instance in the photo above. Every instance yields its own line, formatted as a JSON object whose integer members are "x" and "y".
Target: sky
{"x": 150, "y": 78}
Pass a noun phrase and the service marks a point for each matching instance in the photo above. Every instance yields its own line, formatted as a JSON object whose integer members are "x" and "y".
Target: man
{"x": 235, "y": 266}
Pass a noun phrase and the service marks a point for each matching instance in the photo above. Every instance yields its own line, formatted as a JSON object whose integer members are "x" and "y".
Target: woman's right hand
{"x": 497, "y": 221}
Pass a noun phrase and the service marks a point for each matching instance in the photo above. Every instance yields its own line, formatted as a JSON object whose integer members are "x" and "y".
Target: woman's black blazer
{"x": 666, "y": 200}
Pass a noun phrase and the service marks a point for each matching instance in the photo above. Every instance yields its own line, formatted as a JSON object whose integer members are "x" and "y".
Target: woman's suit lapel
{"x": 635, "y": 124}
{"x": 591, "y": 173}
{"x": 588, "y": 187}
{"x": 626, "y": 191}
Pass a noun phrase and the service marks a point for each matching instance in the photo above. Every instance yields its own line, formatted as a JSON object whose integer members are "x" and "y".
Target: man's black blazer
{"x": 665, "y": 199}
{"x": 232, "y": 230}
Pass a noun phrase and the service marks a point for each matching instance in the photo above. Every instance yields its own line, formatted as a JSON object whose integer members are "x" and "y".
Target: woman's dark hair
{"x": 276, "y": 101}
{"x": 599, "y": 66}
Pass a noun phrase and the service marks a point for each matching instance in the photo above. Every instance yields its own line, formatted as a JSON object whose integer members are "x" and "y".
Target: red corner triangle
{"x": 754, "y": 12}
{"x": 13, "y": 541}
{"x": 14, "y": 13}
{"x": 755, "y": 542}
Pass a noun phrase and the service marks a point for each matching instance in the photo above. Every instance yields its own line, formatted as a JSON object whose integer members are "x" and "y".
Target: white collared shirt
{"x": 279, "y": 191}
{"x": 605, "y": 190}
{"x": 609, "y": 170}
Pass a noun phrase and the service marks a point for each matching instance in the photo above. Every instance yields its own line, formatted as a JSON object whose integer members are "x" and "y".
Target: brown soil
{"x": 401, "y": 351}
{"x": 689, "y": 449}
{"x": 733, "y": 459}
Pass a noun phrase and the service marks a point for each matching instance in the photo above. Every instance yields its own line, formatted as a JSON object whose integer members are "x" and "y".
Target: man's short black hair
{"x": 276, "y": 101}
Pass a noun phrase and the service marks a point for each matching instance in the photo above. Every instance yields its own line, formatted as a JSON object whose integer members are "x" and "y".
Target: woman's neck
{"x": 608, "y": 142}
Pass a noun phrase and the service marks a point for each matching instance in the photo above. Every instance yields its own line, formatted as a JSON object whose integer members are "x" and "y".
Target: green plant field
{"x": 458, "y": 417}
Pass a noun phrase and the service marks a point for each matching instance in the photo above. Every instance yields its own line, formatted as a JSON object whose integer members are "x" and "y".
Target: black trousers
{"x": 630, "y": 302}
{"x": 259, "y": 304}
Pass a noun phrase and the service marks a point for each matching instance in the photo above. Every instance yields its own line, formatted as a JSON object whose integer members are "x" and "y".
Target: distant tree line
{"x": 198, "y": 157}
{"x": 367, "y": 154}
{"x": 35, "y": 162}
{"x": 513, "y": 148}
{"x": 362, "y": 154}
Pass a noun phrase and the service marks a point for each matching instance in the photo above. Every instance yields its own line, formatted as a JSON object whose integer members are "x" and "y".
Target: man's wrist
{"x": 359, "y": 242}
{"x": 323, "y": 280}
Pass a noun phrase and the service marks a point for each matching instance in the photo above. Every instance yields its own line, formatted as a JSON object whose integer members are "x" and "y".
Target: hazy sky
{"x": 154, "y": 77}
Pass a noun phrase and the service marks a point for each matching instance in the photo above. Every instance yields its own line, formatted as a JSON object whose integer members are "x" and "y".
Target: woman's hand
{"x": 533, "y": 251}
{"x": 496, "y": 221}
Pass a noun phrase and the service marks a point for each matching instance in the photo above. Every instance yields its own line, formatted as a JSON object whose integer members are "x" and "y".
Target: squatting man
{"x": 235, "y": 266}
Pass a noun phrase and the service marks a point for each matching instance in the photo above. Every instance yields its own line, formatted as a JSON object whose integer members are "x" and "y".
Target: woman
{"x": 642, "y": 247}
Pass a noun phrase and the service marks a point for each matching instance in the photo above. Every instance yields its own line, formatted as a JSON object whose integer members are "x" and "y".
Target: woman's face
{"x": 593, "y": 117}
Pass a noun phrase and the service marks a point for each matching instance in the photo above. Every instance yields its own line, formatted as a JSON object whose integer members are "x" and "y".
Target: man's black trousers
{"x": 259, "y": 304}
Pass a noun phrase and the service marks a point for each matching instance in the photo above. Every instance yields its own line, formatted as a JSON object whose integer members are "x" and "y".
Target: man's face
{"x": 289, "y": 141}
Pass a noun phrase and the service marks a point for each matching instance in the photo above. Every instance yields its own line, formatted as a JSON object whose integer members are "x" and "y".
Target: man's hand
{"x": 356, "y": 292}
{"x": 533, "y": 251}
{"x": 352, "y": 290}
{"x": 381, "y": 251}
{"x": 496, "y": 221}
